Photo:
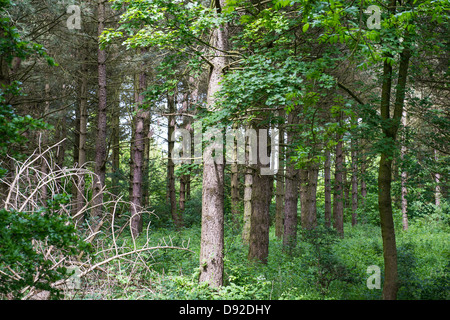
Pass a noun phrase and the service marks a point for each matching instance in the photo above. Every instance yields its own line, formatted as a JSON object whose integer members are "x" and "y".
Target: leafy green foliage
{"x": 22, "y": 260}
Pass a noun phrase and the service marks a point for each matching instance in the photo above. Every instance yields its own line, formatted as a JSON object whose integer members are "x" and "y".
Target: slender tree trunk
{"x": 138, "y": 161}
{"x": 338, "y": 199}
{"x": 260, "y": 218}
{"x": 248, "y": 184}
{"x": 170, "y": 164}
{"x": 437, "y": 178}
{"x": 43, "y": 145}
{"x": 327, "y": 182}
{"x": 212, "y": 237}
{"x": 100, "y": 146}
{"x": 291, "y": 191}
{"x": 82, "y": 129}
{"x": 354, "y": 155}
{"x": 390, "y": 128}
{"x": 235, "y": 186}
{"x": 404, "y": 177}
{"x": 279, "y": 215}
{"x": 115, "y": 136}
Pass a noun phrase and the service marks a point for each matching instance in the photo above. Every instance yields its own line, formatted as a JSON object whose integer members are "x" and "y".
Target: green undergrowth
{"x": 322, "y": 266}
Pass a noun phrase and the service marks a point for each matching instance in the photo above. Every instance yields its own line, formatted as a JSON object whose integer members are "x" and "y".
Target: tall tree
{"x": 100, "y": 145}
{"x": 261, "y": 198}
{"x": 291, "y": 191}
{"x": 212, "y": 241}
{"x": 138, "y": 159}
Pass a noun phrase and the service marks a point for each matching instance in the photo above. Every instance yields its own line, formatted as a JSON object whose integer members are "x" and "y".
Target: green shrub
{"x": 21, "y": 235}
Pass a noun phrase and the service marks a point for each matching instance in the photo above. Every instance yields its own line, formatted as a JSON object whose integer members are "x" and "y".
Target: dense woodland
{"x": 118, "y": 180}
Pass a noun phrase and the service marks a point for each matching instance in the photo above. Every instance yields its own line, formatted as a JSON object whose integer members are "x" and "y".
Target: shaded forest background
{"x": 93, "y": 205}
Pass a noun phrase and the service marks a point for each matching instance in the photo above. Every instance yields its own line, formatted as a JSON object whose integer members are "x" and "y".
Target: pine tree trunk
{"x": 115, "y": 137}
{"x": 235, "y": 186}
{"x": 81, "y": 155}
{"x": 100, "y": 146}
{"x": 212, "y": 237}
{"x": 338, "y": 199}
{"x": 327, "y": 182}
{"x": 404, "y": 177}
{"x": 291, "y": 190}
{"x": 279, "y": 201}
{"x": 437, "y": 179}
{"x": 354, "y": 183}
{"x": 248, "y": 184}
{"x": 170, "y": 164}
{"x": 260, "y": 218}
{"x": 138, "y": 161}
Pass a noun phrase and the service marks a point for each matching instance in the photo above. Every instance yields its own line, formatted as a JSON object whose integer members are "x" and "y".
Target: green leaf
{"x": 305, "y": 27}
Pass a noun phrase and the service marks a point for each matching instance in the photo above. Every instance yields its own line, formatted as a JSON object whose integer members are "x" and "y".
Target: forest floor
{"x": 322, "y": 266}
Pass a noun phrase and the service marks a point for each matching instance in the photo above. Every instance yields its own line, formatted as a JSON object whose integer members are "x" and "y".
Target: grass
{"x": 322, "y": 266}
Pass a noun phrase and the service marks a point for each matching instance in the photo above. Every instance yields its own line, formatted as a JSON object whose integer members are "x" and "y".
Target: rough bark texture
{"x": 83, "y": 114}
{"x": 138, "y": 161}
{"x": 248, "y": 183}
{"x": 404, "y": 179}
{"x": 235, "y": 187}
{"x": 308, "y": 191}
{"x": 390, "y": 128}
{"x": 260, "y": 218}
{"x": 100, "y": 145}
{"x": 212, "y": 242}
{"x": 354, "y": 183}
{"x": 170, "y": 164}
{"x": 338, "y": 199}
{"x": 327, "y": 182}
{"x": 279, "y": 200}
{"x": 291, "y": 190}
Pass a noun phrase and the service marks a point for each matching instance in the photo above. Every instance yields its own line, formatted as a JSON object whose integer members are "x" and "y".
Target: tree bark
{"x": 170, "y": 164}
{"x": 248, "y": 184}
{"x": 83, "y": 113}
{"x": 327, "y": 182}
{"x": 279, "y": 200}
{"x": 437, "y": 178}
{"x": 404, "y": 177}
{"x": 100, "y": 145}
{"x": 291, "y": 191}
{"x": 260, "y": 218}
{"x": 212, "y": 237}
{"x": 354, "y": 155}
{"x": 390, "y": 128}
{"x": 235, "y": 186}
{"x": 138, "y": 161}
{"x": 338, "y": 195}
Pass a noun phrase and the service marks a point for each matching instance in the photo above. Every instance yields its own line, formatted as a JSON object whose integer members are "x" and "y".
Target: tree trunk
{"x": 248, "y": 183}
{"x": 279, "y": 215}
{"x": 260, "y": 218}
{"x": 115, "y": 136}
{"x": 327, "y": 182}
{"x": 338, "y": 199}
{"x": 138, "y": 161}
{"x": 437, "y": 178}
{"x": 235, "y": 185}
{"x": 390, "y": 128}
{"x": 291, "y": 191}
{"x": 170, "y": 164}
{"x": 212, "y": 241}
{"x": 354, "y": 183}
{"x": 404, "y": 177}
{"x": 82, "y": 142}
{"x": 100, "y": 146}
